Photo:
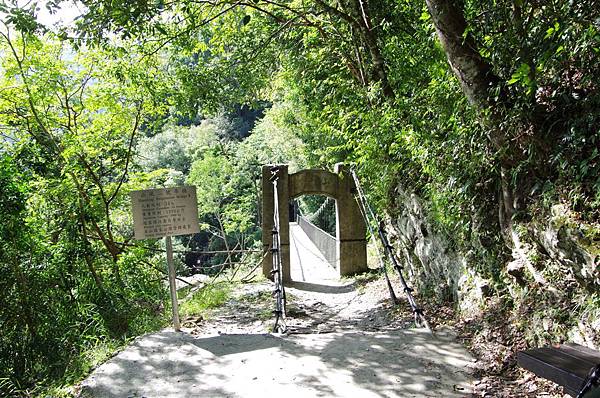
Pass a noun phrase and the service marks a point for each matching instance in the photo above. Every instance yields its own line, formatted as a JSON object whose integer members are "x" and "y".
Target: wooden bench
{"x": 567, "y": 365}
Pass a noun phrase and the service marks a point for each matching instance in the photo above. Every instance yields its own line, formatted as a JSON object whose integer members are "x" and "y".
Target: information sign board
{"x": 165, "y": 212}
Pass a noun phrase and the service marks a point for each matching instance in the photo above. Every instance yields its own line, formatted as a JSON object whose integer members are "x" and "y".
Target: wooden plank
{"x": 553, "y": 364}
{"x": 567, "y": 365}
{"x": 583, "y": 352}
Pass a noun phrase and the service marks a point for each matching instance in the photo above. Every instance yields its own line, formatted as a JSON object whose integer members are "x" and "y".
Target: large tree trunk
{"x": 473, "y": 72}
{"x": 477, "y": 81}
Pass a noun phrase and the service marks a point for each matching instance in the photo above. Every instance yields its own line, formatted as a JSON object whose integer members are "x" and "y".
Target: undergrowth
{"x": 208, "y": 297}
{"x": 95, "y": 350}
{"x": 92, "y": 352}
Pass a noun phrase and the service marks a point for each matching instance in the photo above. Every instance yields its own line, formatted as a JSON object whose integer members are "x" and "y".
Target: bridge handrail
{"x": 324, "y": 241}
{"x": 312, "y": 224}
{"x": 312, "y": 217}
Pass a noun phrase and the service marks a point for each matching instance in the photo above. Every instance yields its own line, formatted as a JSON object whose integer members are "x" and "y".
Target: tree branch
{"x": 129, "y": 152}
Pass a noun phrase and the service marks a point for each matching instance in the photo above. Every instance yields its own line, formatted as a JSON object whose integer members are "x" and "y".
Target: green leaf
{"x": 161, "y": 29}
{"x": 521, "y": 75}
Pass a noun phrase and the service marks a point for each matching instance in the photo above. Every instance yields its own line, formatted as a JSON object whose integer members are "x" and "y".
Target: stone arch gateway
{"x": 351, "y": 240}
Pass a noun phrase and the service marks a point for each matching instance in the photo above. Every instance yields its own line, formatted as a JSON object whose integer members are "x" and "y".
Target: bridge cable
{"x": 314, "y": 216}
{"x": 417, "y": 311}
{"x": 277, "y": 270}
{"x": 363, "y": 212}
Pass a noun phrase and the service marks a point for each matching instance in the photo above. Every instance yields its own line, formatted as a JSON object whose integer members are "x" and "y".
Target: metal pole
{"x": 277, "y": 271}
{"x": 172, "y": 287}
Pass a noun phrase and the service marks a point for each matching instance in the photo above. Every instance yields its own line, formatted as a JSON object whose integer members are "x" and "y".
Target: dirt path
{"x": 344, "y": 340}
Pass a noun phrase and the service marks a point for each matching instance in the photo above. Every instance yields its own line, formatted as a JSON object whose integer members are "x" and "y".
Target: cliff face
{"x": 545, "y": 277}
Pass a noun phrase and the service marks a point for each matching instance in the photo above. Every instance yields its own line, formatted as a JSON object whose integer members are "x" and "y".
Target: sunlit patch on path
{"x": 345, "y": 341}
{"x": 405, "y": 363}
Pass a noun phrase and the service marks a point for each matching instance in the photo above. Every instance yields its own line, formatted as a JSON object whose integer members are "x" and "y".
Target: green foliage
{"x": 212, "y": 295}
{"x": 68, "y": 283}
{"x": 212, "y": 172}
{"x": 227, "y": 171}
{"x": 165, "y": 97}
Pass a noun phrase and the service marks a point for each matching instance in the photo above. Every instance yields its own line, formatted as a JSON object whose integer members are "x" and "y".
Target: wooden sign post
{"x": 166, "y": 212}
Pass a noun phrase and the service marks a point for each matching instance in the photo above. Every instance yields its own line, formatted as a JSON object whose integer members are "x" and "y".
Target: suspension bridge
{"x": 308, "y": 247}
{"x": 321, "y": 252}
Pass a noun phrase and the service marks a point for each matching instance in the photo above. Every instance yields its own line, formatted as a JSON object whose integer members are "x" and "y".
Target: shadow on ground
{"x": 406, "y": 363}
{"x": 345, "y": 340}
{"x": 322, "y": 288}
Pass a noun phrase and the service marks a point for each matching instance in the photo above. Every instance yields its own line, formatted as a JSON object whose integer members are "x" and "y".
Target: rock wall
{"x": 548, "y": 278}
{"x": 427, "y": 257}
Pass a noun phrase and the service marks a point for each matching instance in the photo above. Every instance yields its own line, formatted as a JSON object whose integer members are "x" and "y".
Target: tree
{"x": 463, "y": 105}
{"x": 362, "y": 68}
{"x": 540, "y": 33}
{"x": 69, "y": 124}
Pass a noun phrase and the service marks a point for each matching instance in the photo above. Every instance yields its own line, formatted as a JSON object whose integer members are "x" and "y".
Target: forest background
{"x": 474, "y": 126}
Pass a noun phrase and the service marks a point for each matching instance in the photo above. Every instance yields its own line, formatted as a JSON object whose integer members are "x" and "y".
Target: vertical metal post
{"x": 172, "y": 287}
{"x": 277, "y": 271}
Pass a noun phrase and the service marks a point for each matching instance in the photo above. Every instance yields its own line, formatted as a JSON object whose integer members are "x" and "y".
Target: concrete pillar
{"x": 268, "y": 207}
{"x": 351, "y": 228}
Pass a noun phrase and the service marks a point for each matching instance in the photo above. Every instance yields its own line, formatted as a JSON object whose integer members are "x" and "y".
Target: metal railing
{"x": 324, "y": 217}
{"x": 326, "y": 243}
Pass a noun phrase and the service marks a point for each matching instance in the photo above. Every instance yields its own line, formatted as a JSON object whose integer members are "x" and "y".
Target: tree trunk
{"x": 370, "y": 39}
{"x": 87, "y": 257}
{"x": 379, "y": 71}
{"x": 357, "y": 16}
{"x": 473, "y": 72}
{"x": 224, "y": 237}
{"x": 477, "y": 81}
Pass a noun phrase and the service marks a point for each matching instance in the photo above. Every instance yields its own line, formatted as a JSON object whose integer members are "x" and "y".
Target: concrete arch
{"x": 350, "y": 226}
{"x": 314, "y": 182}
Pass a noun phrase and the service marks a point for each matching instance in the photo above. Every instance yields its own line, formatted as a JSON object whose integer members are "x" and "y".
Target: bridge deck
{"x": 307, "y": 262}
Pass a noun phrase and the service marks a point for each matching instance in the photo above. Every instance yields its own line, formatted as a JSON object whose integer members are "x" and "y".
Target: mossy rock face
{"x": 566, "y": 246}
{"x": 433, "y": 266}
{"x": 473, "y": 291}
{"x": 550, "y": 283}
{"x": 567, "y": 306}
{"x": 591, "y": 244}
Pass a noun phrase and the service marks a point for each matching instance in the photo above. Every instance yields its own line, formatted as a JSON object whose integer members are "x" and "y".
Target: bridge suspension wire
{"x": 369, "y": 214}
{"x": 277, "y": 270}
{"x": 323, "y": 217}
{"x": 363, "y": 212}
